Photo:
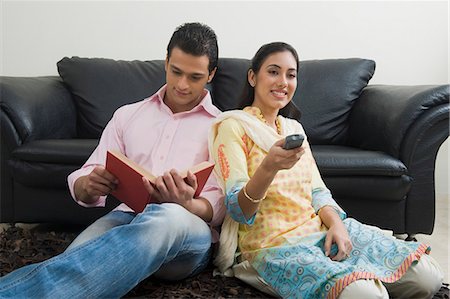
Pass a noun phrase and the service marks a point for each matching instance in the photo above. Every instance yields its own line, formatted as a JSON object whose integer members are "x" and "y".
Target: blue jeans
{"x": 115, "y": 253}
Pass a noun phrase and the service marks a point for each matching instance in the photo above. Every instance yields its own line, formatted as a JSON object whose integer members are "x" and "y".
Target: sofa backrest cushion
{"x": 229, "y": 82}
{"x": 326, "y": 92}
{"x": 100, "y": 86}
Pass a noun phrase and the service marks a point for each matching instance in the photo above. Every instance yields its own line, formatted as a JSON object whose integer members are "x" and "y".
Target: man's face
{"x": 186, "y": 77}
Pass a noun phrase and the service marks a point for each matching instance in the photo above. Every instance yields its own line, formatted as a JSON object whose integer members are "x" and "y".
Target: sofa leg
{"x": 411, "y": 238}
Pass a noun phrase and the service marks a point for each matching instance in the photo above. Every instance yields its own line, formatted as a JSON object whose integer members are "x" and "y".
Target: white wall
{"x": 407, "y": 39}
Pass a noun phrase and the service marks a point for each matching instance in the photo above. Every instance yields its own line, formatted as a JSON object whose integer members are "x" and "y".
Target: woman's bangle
{"x": 252, "y": 199}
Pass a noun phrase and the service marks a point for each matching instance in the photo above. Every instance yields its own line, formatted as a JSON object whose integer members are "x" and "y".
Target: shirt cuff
{"x": 233, "y": 207}
{"x": 321, "y": 197}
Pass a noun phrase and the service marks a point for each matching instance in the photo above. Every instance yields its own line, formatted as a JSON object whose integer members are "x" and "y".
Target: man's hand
{"x": 171, "y": 187}
{"x": 98, "y": 183}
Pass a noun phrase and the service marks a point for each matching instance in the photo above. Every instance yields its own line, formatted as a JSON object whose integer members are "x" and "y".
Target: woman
{"x": 294, "y": 241}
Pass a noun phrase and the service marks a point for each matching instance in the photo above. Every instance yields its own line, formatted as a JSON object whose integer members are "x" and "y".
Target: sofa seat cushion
{"x": 335, "y": 160}
{"x": 369, "y": 188}
{"x": 352, "y": 173}
{"x": 62, "y": 151}
{"x": 34, "y": 163}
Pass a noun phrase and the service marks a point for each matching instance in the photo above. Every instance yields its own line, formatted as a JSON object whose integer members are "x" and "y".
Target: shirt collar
{"x": 205, "y": 104}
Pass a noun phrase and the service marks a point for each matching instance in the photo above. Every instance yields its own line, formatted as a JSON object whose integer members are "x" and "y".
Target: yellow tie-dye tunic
{"x": 284, "y": 240}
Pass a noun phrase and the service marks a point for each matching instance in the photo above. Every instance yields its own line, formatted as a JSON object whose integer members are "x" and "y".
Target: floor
{"x": 439, "y": 240}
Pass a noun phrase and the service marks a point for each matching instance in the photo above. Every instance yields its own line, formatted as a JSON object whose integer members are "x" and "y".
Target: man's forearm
{"x": 200, "y": 207}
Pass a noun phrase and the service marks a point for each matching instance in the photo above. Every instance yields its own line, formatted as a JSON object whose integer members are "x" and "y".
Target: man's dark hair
{"x": 196, "y": 39}
{"x": 248, "y": 94}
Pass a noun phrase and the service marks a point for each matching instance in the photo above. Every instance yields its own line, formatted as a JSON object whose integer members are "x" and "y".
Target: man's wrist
{"x": 200, "y": 207}
{"x": 188, "y": 205}
{"x": 81, "y": 193}
{"x": 78, "y": 189}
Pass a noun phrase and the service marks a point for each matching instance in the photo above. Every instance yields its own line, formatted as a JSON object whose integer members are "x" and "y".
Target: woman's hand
{"x": 337, "y": 233}
{"x": 278, "y": 158}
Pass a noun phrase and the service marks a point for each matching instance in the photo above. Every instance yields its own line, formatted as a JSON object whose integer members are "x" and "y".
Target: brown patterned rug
{"x": 20, "y": 247}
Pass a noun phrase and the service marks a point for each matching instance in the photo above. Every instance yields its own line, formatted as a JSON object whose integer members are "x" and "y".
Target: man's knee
{"x": 181, "y": 215}
{"x": 100, "y": 226}
{"x": 175, "y": 211}
{"x": 175, "y": 220}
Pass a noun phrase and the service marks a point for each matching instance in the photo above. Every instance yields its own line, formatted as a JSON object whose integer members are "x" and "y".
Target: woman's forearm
{"x": 329, "y": 216}
{"x": 256, "y": 189}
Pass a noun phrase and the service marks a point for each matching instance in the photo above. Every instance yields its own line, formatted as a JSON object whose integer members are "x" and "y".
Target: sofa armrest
{"x": 409, "y": 123}
{"x": 34, "y": 108}
{"x": 394, "y": 119}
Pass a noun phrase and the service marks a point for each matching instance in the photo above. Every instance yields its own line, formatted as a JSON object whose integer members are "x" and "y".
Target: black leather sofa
{"x": 375, "y": 145}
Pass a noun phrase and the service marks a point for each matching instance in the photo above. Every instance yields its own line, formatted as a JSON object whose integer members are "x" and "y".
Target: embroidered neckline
{"x": 255, "y": 111}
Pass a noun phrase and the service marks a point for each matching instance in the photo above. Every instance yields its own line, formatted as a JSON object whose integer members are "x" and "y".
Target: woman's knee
{"x": 364, "y": 288}
{"x": 429, "y": 275}
{"x": 422, "y": 280}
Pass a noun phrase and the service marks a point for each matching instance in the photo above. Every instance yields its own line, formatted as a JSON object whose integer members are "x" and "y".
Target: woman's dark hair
{"x": 196, "y": 39}
{"x": 248, "y": 93}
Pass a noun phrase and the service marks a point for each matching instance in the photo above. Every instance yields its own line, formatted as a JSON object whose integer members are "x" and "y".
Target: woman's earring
{"x": 252, "y": 84}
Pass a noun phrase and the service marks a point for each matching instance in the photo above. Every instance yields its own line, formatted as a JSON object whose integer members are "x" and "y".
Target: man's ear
{"x": 251, "y": 78}
{"x": 166, "y": 63}
{"x": 211, "y": 74}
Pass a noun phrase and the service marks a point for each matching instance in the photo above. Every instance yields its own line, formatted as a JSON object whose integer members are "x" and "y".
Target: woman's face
{"x": 275, "y": 82}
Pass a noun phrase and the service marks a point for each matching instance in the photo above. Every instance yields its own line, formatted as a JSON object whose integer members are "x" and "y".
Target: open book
{"x": 131, "y": 190}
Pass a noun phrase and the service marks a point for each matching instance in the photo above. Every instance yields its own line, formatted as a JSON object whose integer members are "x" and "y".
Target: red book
{"x": 131, "y": 190}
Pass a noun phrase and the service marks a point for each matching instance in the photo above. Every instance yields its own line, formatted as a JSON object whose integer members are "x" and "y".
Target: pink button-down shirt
{"x": 151, "y": 135}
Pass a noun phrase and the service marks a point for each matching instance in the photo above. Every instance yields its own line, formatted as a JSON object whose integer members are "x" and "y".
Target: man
{"x": 164, "y": 133}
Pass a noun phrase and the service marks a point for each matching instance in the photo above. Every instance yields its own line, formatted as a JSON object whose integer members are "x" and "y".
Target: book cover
{"x": 131, "y": 190}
